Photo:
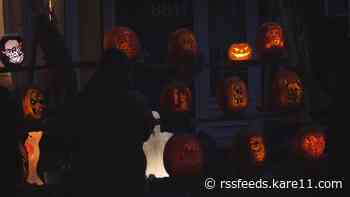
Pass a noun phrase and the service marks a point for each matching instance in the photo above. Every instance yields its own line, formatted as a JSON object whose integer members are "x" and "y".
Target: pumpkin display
{"x": 12, "y": 52}
{"x": 288, "y": 91}
{"x": 270, "y": 40}
{"x": 182, "y": 46}
{"x": 239, "y": 52}
{"x": 154, "y": 150}
{"x": 124, "y": 39}
{"x": 33, "y": 104}
{"x": 183, "y": 156}
{"x": 176, "y": 97}
{"x": 312, "y": 144}
{"x": 32, "y": 148}
{"x": 232, "y": 94}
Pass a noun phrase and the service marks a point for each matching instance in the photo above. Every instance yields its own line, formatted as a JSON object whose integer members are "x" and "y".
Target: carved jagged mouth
{"x": 239, "y": 55}
{"x": 237, "y": 99}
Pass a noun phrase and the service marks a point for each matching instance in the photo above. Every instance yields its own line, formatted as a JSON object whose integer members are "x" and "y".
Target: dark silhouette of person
{"x": 108, "y": 124}
{"x": 8, "y": 127}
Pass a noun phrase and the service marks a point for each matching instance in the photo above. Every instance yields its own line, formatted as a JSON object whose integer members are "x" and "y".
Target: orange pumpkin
{"x": 239, "y": 52}
{"x": 176, "y": 97}
{"x": 183, "y": 156}
{"x": 232, "y": 94}
{"x": 313, "y": 144}
{"x": 124, "y": 39}
{"x": 288, "y": 90}
{"x": 33, "y": 104}
{"x": 257, "y": 148}
{"x": 248, "y": 150}
{"x": 270, "y": 40}
{"x": 182, "y": 46}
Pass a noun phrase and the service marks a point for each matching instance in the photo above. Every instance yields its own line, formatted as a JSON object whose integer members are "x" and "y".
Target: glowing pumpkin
{"x": 154, "y": 150}
{"x": 33, "y": 104}
{"x": 176, "y": 97}
{"x": 182, "y": 46}
{"x": 124, "y": 39}
{"x": 270, "y": 40}
{"x": 313, "y": 144}
{"x": 11, "y": 50}
{"x": 32, "y": 148}
{"x": 232, "y": 94}
{"x": 287, "y": 89}
{"x": 239, "y": 52}
{"x": 257, "y": 148}
{"x": 249, "y": 150}
{"x": 183, "y": 156}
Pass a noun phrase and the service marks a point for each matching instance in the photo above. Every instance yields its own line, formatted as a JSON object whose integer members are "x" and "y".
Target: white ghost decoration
{"x": 154, "y": 149}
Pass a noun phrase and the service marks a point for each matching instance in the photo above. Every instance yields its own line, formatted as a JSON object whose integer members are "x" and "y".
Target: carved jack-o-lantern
{"x": 123, "y": 39}
{"x": 232, "y": 94}
{"x": 11, "y": 50}
{"x": 183, "y": 156}
{"x": 239, "y": 52}
{"x": 257, "y": 148}
{"x": 33, "y": 104}
{"x": 154, "y": 150}
{"x": 176, "y": 97}
{"x": 270, "y": 40}
{"x": 248, "y": 150}
{"x": 312, "y": 144}
{"x": 32, "y": 148}
{"x": 182, "y": 46}
{"x": 287, "y": 89}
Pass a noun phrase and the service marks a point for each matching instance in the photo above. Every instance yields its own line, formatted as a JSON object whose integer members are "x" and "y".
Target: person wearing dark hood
{"x": 109, "y": 124}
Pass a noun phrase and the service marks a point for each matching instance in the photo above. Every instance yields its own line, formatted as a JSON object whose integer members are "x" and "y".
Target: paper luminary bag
{"x": 11, "y": 50}
{"x": 154, "y": 149}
